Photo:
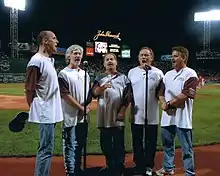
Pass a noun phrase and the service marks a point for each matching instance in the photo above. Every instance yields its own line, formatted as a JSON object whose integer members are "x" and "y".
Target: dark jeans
{"x": 112, "y": 146}
{"x": 81, "y": 138}
{"x": 144, "y": 145}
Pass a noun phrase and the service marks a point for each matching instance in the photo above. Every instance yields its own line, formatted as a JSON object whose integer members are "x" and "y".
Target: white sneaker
{"x": 163, "y": 172}
{"x": 149, "y": 171}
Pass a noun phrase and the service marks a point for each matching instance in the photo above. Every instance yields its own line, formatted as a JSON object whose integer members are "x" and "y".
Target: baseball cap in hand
{"x": 18, "y": 122}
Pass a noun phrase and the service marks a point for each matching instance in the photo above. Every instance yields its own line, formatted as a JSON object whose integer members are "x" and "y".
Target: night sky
{"x": 159, "y": 24}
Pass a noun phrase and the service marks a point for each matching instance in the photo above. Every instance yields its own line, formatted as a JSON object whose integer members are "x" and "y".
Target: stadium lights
{"x": 15, "y": 4}
{"x": 213, "y": 15}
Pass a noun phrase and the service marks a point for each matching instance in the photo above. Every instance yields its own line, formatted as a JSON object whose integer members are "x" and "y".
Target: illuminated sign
{"x": 114, "y": 46}
{"x": 101, "y": 47}
{"x": 90, "y": 44}
{"x": 89, "y": 51}
{"x": 106, "y": 34}
{"x": 23, "y": 47}
{"x": 126, "y": 53}
{"x": 166, "y": 57}
{"x": 114, "y": 50}
{"x": 61, "y": 51}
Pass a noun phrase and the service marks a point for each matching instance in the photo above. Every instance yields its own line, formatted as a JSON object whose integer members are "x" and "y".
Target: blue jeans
{"x": 74, "y": 140}
{"x": 69, "y": 147}
{"x": 45, "y": 149}
{"x": 185, "y": 137}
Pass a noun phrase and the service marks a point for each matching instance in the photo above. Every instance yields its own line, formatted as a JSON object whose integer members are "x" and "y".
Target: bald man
{"x": 43, "y": 97}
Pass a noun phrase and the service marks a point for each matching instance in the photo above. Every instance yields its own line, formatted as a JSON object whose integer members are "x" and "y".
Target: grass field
{"x": 206, "y": 125}
{"x": 12, "y": 89}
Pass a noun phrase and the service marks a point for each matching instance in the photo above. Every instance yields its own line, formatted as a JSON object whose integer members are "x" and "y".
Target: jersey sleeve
{"x": 127, "y": 93}
{"x": 160, "y": 90}
{"x": 94, "y": 86}
{"x": 33, "y": 75}
{"x": 63, "y": 84}
{"x": 189, "y": 88}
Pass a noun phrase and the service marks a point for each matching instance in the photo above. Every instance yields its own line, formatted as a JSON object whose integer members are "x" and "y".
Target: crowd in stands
{"x": 96, "y": 67}
{"x": 124, "y": 65}
{"x": 209, "y": 75}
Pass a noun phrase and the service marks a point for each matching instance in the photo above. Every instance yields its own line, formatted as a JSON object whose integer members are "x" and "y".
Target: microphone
{"x": 147, "y": 67}
{"x": 85, "y": 63}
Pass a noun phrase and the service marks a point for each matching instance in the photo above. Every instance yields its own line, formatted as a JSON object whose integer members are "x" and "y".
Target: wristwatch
{"x": 169, "y": 106}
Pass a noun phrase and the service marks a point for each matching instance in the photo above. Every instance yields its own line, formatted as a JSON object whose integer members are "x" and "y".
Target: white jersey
{"x": 72, "y": 80}
{"x": 46, "y": 106}
{"x": 184, "y": 81}
{"x": 137, "y": 77}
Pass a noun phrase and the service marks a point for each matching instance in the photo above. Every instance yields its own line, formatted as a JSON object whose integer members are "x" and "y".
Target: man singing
{"x": 176, "y": 98}
{"x": 113, "y": 91}
{"x": 71, "y": 81}
{"x": 144, "y": 153}
{"x": 43, "y": 97}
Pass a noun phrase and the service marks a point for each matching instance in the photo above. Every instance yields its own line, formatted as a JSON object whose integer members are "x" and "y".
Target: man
{"x": 112, "y": 89}
{"x": 144, "y": 156}
{"x": 71, "y": 81}
{"x": 177, "y": 104}
{"x": 43, "y": 97}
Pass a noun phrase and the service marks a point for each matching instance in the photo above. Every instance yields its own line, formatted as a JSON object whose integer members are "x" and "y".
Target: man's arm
{"x": 188, "y": 91}
{"x": 32, "y": 78}
{"x": 127, "y": 98}
{"x": 98, "y": 90}
{"x": 65, "y": 94}
{"x": 160, "y": 90}
{"x": 90, "y": 95}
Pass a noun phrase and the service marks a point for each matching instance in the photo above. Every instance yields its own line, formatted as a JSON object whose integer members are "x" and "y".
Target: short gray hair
{"x": 70, "y": 50}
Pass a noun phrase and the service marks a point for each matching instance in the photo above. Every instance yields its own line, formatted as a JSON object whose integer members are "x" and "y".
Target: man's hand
{"x": 121, "y": 114}
{"x": 88, "y": 109}
{"x": 171, "y": 112}
{"x": 100, "y": 89}
{"x": 105, "y": 86}
{"x": 164, "y": 106}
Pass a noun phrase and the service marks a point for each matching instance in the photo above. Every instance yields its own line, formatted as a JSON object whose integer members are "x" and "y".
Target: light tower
{"x": 207, "y": 35}
{"x": 207, "y": 18}
{"x": 14, "y": 6}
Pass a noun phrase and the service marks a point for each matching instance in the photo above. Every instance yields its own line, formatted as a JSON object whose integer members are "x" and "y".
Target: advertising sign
{"x": 166, "y": 57}
{"x": 108, "y": 34}
{"x": 101, "y": 47}
{"x": 126, "y": 53}
{"x": 89, "y": 51}
{"x": 114, "y": 48}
